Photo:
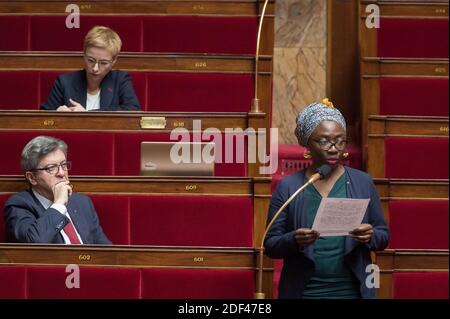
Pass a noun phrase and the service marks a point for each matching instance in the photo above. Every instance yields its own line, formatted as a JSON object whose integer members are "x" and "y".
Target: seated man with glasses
{"x": 97, "y": 87}
{"x": 50, "y": 212}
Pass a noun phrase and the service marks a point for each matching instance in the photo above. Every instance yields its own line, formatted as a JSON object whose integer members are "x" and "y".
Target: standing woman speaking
{"x": 315, "y": 266}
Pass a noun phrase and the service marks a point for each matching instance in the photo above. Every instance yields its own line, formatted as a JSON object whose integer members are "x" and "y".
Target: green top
{"x": 332, "y": 278}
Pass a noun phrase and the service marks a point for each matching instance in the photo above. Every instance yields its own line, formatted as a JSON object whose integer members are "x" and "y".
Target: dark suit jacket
{"x": 27, "y": 221}
{"x": 116, "y": 93}
{"x": 298, "y": 264}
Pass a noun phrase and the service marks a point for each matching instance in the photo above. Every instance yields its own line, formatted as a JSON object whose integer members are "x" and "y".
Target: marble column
{"x": 299, "y": 61}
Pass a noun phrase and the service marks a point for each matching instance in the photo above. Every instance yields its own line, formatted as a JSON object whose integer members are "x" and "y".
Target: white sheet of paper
{"x": 339, "y": 216}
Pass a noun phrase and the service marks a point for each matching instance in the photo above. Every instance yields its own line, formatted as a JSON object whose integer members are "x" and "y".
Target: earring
{"x": 307, "y": 154}
{"x": 345, "y": 154}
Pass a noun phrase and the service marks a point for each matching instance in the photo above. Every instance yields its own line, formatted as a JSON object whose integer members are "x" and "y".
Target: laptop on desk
{"x": 164, "y": 159}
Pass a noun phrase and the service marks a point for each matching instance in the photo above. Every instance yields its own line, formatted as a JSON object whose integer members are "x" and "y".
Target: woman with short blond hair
{"x": 103, "y": 37}
{"x": 97, "y": 87}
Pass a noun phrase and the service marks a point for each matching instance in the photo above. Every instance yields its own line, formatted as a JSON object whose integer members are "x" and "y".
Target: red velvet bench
{"x": 418, "y": 224}
{"x": 420, "y": 285}
{"x": 182, "y": 34}
{"x": 414, "y": 96}
{"x": 413, "y": 38}
{"x": 105, "y": 282}
{"x": 156, "y": 91}
{"x": 115, "y": 153}
{"x": 415, "y": 157}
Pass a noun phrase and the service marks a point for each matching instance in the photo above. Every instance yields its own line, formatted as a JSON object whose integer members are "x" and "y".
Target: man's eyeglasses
{"x": 53, "y": 169}
{"x": 101, "y": 63}
{"x": 325, "y": 145}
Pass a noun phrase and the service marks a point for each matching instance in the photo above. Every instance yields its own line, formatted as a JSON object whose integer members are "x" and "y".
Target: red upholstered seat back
{"x": 49, "y": 33}
{"x": 91, "y": 153}
{"x": 25, "y": 90}
{"x": 114, "y": 214}
{"x": 182, "y": 34}
{"x": 156, "y": 91}
{"x": 221, "y": 221}
{"x": 420, "y": 285}
{"x": 197, "y": 283}
{"x": 103, "y": 153}
{"x": 418, "y": 224}
{"x": 413, "y": 38}
{"x": 174, "y": 220}
{"x": 95, "y": 282}
{"x": 199, "y": 92}
{"x": 13, "y": 283}
{"x": 14, "y": 33}
{"x": 49, "y": 282}
{"x": 194, "y": 34}
{"x": 139, "y": 81}
{"x": 19, "y": 90}
{"x": 426, "y": 158}
{"x": 414, "y": 96}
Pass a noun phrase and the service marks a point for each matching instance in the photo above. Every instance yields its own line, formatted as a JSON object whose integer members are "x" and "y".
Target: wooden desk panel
{"x": 420, "y": 126}
{"x": 391, "y": 260}
{"x": 411, "y": 189}
{"x": 375, "y": 67}
{"x": 415, "y": 9}
{"x": 142, "y": 62}
{"x": 148, "y": 7}
{"x": 154, "y": 185}
{"x": 127, "y": 256}
{"x": 119, "y": 121}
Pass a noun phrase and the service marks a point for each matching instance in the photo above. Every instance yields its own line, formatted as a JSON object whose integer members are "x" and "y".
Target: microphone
{"x": 322, "y": 172}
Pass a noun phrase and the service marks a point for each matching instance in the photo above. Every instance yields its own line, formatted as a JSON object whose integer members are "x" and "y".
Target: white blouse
{"x": 93, "y": 102}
